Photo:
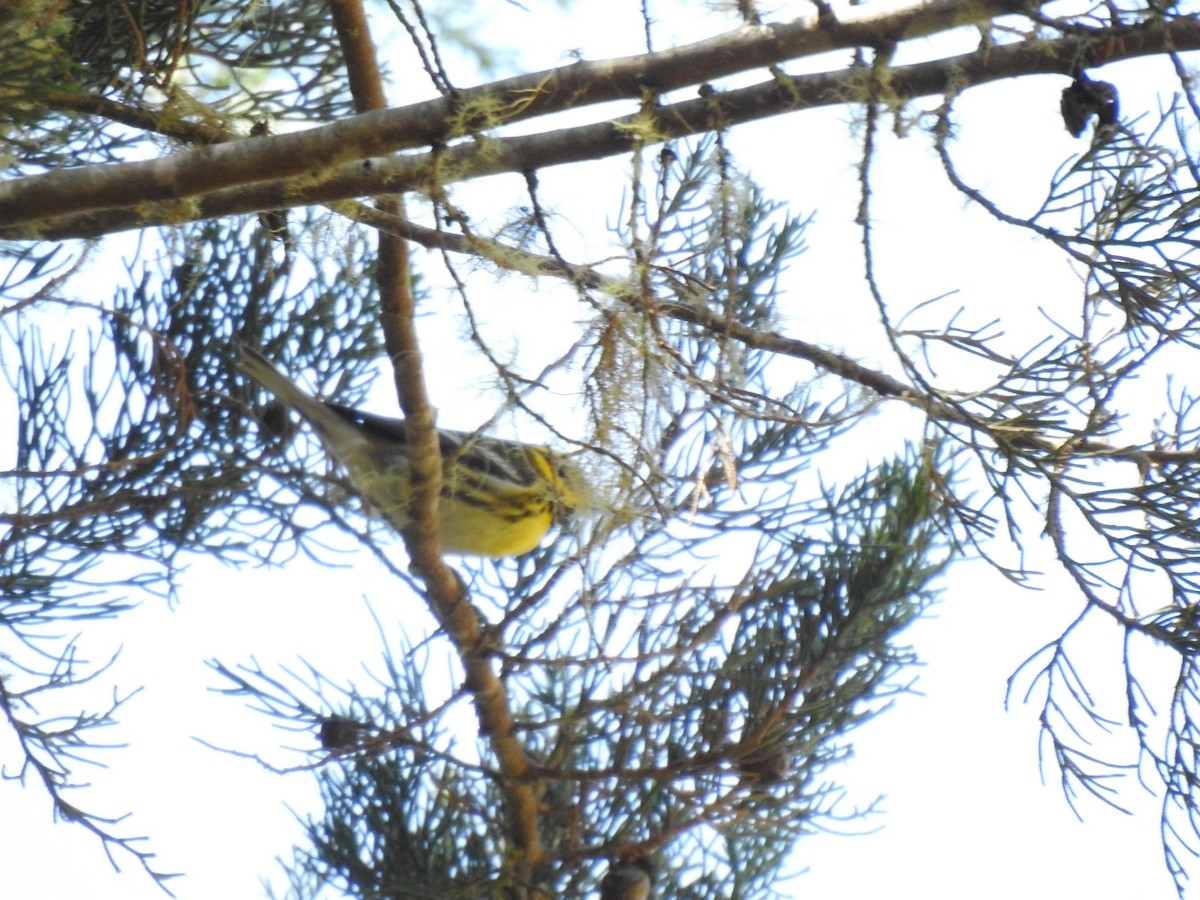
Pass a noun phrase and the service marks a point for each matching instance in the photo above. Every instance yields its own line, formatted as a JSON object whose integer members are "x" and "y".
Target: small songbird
{"x": 499, "y": 498}
{"x": 628, "y": 880}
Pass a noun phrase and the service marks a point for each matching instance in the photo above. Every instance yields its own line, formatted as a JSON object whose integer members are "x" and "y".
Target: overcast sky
{"x": 965, "y": 812}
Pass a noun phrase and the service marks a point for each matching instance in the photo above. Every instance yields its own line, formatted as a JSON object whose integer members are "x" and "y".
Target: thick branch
{"x": 525, "y": 96}
{"x": 91, "y": 210}
{"x": 445, "y": 592}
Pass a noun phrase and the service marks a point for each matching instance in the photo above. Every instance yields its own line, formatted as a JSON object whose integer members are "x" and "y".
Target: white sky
{"x": 965, "y": 814}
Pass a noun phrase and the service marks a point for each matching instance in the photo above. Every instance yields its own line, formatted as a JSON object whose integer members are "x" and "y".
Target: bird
{"x": 499, "y": 497}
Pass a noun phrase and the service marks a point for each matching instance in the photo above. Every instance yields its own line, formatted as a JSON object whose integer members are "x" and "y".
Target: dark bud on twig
{"x": 765, "y": 768}
{"x": 1085, "y": 98}
{"x": 340, "y": 733}
{"x": 275, "y": 422}
{"x": 275, "y": 221}
{"x": 628, "y": 880}
{"x": 676, "y": 755}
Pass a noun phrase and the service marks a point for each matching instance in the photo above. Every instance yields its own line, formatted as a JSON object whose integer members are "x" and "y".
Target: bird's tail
{"x": 328, "y": 423}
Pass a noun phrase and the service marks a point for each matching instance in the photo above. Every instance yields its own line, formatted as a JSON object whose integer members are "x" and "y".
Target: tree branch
{"x": 444, "y": 590}
{"x": 533, "y": 264}
{"x": 334, "y": 162}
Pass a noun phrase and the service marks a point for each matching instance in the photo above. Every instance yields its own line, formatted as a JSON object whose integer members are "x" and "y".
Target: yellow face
{"x": 568, "y": 486}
